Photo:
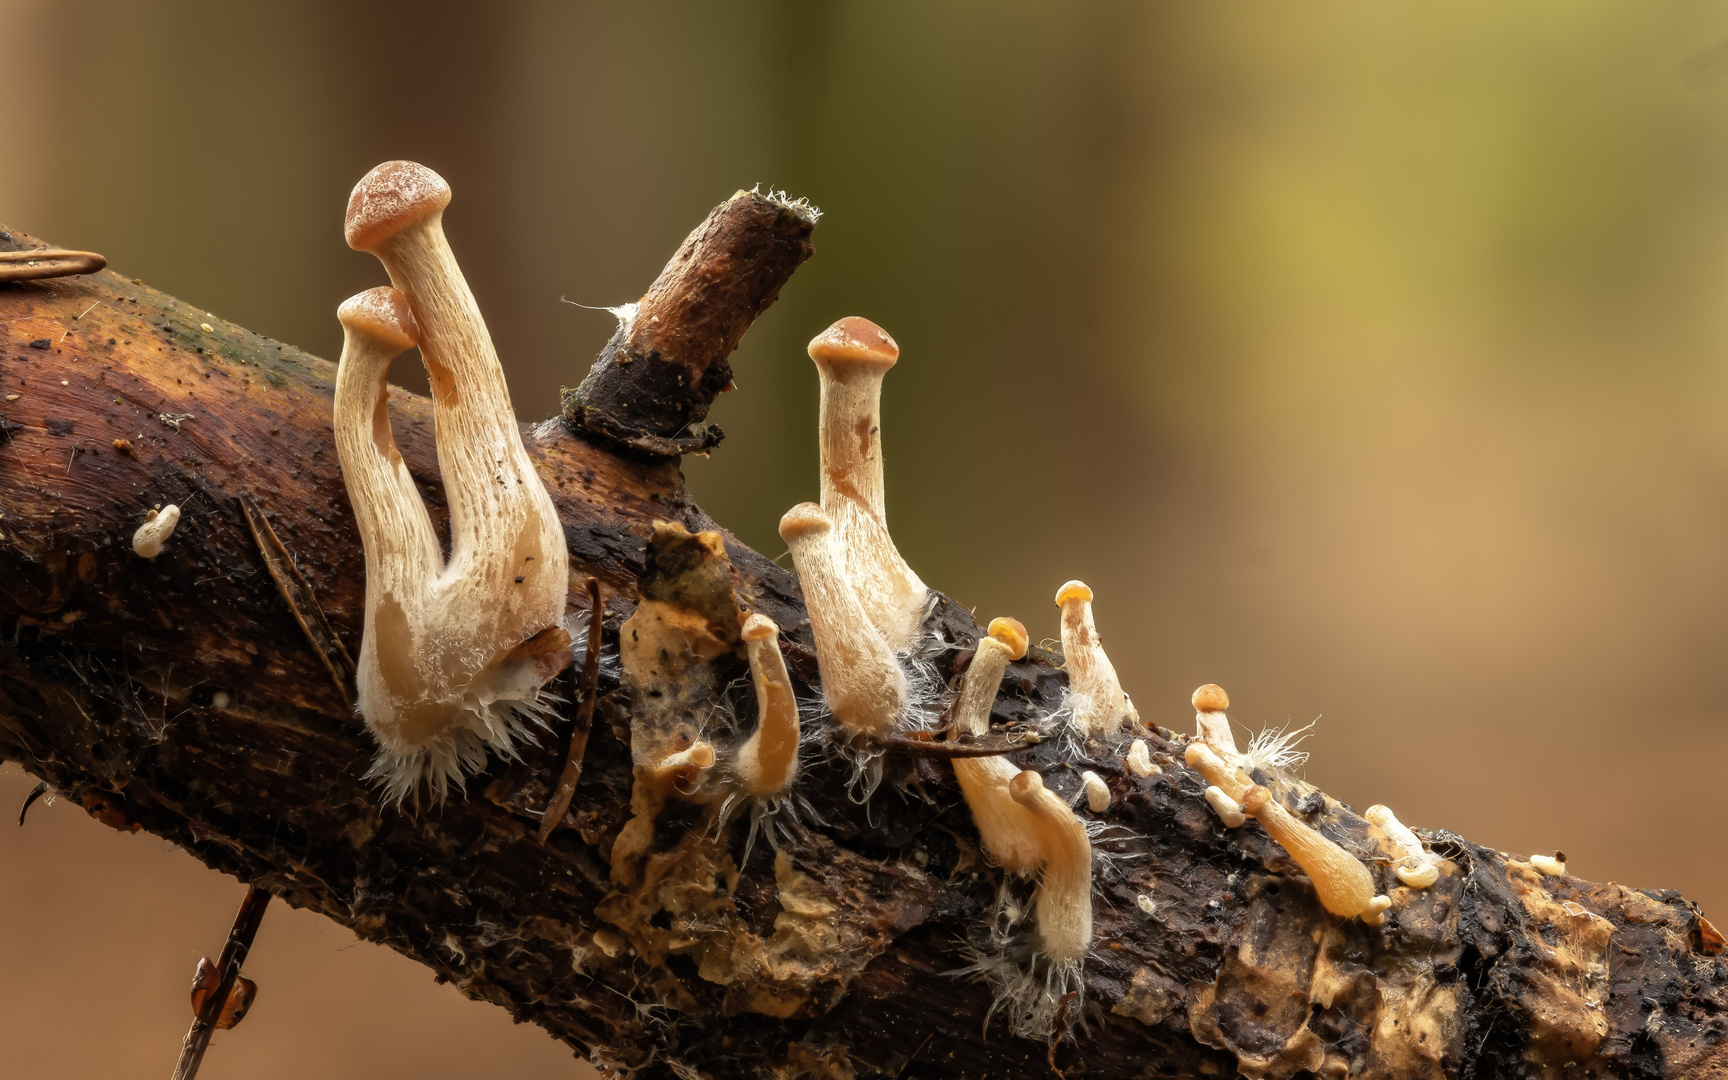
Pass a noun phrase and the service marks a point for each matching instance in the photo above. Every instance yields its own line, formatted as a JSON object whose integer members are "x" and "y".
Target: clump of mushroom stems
{"x": 1344, "y": 886}
{"x": 1006, "y": 827}
{"x": 157, "y": 528}
{"x": 862, "y": 682}
{"x": 1062, "y": 903}
{"x": 454, "y": 653}
{"x": 1095, "y": 693}
{"x": 1414, "y": 865}
{"x": 852, "y": 356}
{"x": 768, "y": 760}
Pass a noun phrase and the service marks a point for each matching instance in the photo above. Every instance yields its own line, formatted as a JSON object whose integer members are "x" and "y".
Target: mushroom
{"x": 1228, "y": 810}
{"x": 1343, "y": 884}
{"x": 1210, "y": 701}
{"x": 1140, "y": 760}
{"x": 1063, "y": 900}
{"x": 861, "y": 678}
{"x": 768, "y": 760}
{"x": 1224, "y": 775}
{"x": 454, "y": 653}
{"x": 851, "y": 357}
{"x": 157, "y": 528}
{"x": 683, "y": 767}
{"x": 1097, "y": 791}
{"x": 1415, "y": 865}
{"x": 1550, "y": 865}
{"x": 1007, "y": 829}
{"x": 1100, "y": 706}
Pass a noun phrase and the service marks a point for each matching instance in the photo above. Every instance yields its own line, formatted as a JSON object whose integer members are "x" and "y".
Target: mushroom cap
{"x": 381, "y": 313}
{"x": 856, "y": 343}
{"x": 702, "y": 755}
{"x": 391, "y": 197}
{"x": 805, "y": 519}
{"x": 1073, "y": 590}
{"x": 1025, "y": 786}
{"x": 759, "y": 627}
{"x": 1011, "y": 633}
{"x": 1211, "y": 698}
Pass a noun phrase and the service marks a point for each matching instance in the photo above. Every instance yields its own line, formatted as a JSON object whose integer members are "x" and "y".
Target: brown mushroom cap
{"x": 805, "y": 519}
{"x": 1211, "y": 698}
{"x": 1073, "y": 590}
{"x": 854, "y": 342}
{"x": 389, "y": 198}
{"x": 1012, "y": 633}
{"x": 382, "y": 313}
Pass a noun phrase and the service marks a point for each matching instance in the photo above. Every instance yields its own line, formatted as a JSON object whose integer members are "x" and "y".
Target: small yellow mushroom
{"x": 1006, "y": 828}
{"x": 1550, "y": 865}
{"x": 768, "y": 760}
{"x": 1415, "y": 865}
{"x": 1063, "y": 901}
{"x": 1343, "y": 884}
{"x": 157, "y": 528}
{"x": 1210, "y": 701}
{"x": 1140, "y": 760}
{"x": 1097, "y": 792}
{"x": 1100, "y": 706}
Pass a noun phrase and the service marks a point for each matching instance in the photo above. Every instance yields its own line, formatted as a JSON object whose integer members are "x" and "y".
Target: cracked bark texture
{"x": 184, "y": 696}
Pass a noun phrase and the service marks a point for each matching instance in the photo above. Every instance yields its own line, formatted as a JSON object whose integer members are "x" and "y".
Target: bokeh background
{"x": 1371, "y": 361}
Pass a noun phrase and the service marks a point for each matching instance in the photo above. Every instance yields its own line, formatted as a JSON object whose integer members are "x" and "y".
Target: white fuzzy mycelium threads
{"x": 157, "y": 528}
{"x": 454, "y": 653}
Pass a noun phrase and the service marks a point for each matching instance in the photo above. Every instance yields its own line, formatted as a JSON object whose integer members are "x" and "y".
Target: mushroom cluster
{"x": 455, "y": 651}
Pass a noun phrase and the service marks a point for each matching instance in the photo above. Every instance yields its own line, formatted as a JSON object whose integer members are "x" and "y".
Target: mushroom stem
{"x": 768, "y": 760}
{"x": 1343, "y": 884}
{"x": 1100, "y": 706}
{"x": 851, "y": 357}
{"x": 1140, "y": 760}
{"x": 1210, "y": 701}
{"x": 1224, "y": 775}
{"x": 1097, "y": 791}
{"x": 1229, "y": 811}
{"x": 1415, "y": 865}
{"x": 1063, "y": 901}
{"x": 455, "y": 662}
{"x": 861, "y": 678}
{"x": 1006, "y": 828}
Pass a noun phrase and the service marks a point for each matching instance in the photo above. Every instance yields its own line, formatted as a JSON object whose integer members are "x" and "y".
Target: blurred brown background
{"x": 1371, "y": 362}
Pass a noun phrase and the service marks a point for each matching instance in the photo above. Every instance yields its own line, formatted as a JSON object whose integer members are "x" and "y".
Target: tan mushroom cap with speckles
{"x": 382, "y": 313}
{"x": 854, "y": 342}
{"x": 391, "y": 197}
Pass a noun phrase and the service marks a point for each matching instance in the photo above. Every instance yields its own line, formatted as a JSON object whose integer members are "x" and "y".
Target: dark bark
{"x": 189, "y": 696}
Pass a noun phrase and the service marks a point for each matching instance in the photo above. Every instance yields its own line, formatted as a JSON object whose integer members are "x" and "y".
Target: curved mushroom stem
{"x": 768, "y": 760}
{"x": 479, "y": 636}
{"x": 851, "y": 357}
{"x": 1229, "y": 811}
{"x": 1415, "y": 865}
{"x": 1343, "y": 884}
{"x": 861, "y": 678}
{"x": 157, "y": 528}
{"x": 1210, "y": 701}
{"x": 1007, "y": 829}
{"x": 1063, "y": 902}
{"x": 1140, "y": 760}
{"x": 1224, "y": 775}
{"x": 1100, "y": 706}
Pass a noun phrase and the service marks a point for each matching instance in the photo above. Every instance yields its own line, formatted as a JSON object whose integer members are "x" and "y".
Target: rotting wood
{"x": 833, "y": 956}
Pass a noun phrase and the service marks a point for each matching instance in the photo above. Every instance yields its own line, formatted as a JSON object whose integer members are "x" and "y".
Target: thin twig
{"x": 239, "y": 943}
{"x": 566, "y": 789}
{"x": 36, "y": 792}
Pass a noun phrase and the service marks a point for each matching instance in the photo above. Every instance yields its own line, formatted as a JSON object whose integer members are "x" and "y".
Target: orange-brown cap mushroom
{"x": 1006, "y": 828}
{"x": 1344, "y": 886}
{"x": 851, "y": 358}
{"x": 1100, "y": 706}
{"x": 768, "y": 759}
{"x": 861, "y": 678}
{"x": 1210, "y": 701}
{"x": 447, "y": 668}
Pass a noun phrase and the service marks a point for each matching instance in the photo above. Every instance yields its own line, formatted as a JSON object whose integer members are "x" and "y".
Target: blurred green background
{"x": 1370, "y": 361}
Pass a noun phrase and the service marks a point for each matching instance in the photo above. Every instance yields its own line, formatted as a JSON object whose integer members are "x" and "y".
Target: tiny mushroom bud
{"x": 1416, "y": 866}
{"x": 697, "y": 756}
{"x": 1210, "y": 701}
{"x": 1063, "y": 901}
{"x": 454, "y": 654}
{"x": 157, "y": 528}
{"x": 1229, "y": 810}
{"x": 851, "y": 357}
{"x": 1343, "y": 884}
{"x": 1550, "y": 865}
{"x": 1100, "y": 706}
{"x": 861, "y": 679}
{"x": 1007, "y": 829}
{"x": 1097, "y": 792}
{"x": 1140, "y": 760}
{"x": 768, "y": 760}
